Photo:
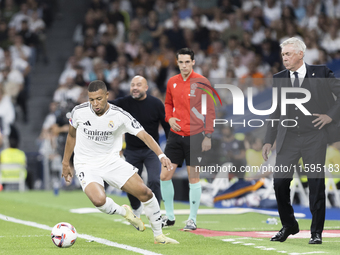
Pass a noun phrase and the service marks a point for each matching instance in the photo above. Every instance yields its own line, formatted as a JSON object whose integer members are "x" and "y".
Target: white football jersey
{"x": 99, "y": 138}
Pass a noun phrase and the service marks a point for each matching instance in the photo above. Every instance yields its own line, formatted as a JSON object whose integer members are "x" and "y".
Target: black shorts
{"x": 189, "y": 148}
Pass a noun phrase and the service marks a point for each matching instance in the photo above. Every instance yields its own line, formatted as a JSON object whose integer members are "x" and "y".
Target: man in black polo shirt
{"x": 149, "y": 111}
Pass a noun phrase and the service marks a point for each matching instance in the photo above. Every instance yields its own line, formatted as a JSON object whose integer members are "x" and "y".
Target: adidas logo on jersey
{"x": 87, "y": 123}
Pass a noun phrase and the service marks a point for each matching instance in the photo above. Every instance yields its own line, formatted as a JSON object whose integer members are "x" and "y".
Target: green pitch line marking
{"x": 213, "y": 211}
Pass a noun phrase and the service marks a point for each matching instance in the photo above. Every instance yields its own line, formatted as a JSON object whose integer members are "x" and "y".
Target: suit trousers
{"x": 312, "y": 148}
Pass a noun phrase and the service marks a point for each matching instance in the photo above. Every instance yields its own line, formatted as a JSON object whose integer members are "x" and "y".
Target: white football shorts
{"x": 115, "y": 174}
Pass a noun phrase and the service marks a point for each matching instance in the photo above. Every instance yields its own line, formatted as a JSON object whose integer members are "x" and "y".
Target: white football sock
{"x": 110, "y": 207}
{"x": 153, "y": 213}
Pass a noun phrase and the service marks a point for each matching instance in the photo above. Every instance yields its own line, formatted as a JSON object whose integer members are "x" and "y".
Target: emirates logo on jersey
{"x": 111, "y": 124}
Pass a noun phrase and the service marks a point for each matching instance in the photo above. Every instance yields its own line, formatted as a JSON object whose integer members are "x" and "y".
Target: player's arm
{"x": 169, "y": 108}
{"x": 69, "y": 147}
{"x": 151, "y": 143}
{"x": 168, "y": 103}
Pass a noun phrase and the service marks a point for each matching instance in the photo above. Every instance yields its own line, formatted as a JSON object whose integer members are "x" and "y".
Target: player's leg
{"x": 93, "y": 186}
{"x": 136, "y": 187}
{"x": 174, "y": 152}
{"x": 135, "y": 158}
{"x": 168, "y": 194}
{"x": 193, "y": 158}
{"x": 195, "y": 191}
{"x": 153, "y": 168}
{"x": 96, "y": 193}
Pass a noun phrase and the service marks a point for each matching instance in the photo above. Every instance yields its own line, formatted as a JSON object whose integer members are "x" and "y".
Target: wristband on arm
{"x": 160, "y": 156}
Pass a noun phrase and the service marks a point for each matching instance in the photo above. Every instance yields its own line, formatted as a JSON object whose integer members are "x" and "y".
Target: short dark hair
{"x": 96, "y": 85}
{"x": 186, "y": 51}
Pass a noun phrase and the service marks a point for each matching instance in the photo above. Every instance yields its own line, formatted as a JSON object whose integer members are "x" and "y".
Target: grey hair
{"x": 297, "y": 43}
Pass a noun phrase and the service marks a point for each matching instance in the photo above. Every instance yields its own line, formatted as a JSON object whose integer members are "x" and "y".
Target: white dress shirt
{"x": 301, "y": 74}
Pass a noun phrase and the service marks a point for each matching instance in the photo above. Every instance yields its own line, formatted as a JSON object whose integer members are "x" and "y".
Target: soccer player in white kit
{"x": 95, "y": 136}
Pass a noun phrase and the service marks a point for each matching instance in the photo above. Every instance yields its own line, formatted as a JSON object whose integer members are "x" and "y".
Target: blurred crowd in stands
{"x": 23, "y": 25}
{"x": 235, "y": 42}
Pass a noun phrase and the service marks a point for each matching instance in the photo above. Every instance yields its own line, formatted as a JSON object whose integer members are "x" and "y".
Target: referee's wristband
{"x": 160, "y": 156}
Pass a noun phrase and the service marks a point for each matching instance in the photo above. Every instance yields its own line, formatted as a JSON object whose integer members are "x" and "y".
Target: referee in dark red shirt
{"x": 190, "y": 133}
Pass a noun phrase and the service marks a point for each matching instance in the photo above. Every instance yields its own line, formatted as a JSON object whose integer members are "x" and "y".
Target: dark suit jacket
{"x": 324, "y": 86}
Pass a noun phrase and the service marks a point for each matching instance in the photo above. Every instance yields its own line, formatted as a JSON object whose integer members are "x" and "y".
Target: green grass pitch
{"x": 43, "y": 207}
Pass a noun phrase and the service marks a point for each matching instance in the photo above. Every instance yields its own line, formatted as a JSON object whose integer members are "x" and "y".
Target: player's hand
{"x": 173, "y": 124}
{"x": 206, "y": 144}
{"x": 265, "y": 151}
{"x": 322, "y": 119}
{"x": 67, "y": 173}
{"x": 166, "y": 162}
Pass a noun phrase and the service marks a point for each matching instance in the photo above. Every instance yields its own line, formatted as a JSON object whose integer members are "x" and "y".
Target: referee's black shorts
{"x": 188, "y": 148}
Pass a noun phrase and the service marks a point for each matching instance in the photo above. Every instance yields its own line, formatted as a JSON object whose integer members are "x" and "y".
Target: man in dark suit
{"x": 303, "y": 136}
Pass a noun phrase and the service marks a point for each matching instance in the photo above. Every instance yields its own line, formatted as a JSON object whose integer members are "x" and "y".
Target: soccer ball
{"x": 63, "y": 235}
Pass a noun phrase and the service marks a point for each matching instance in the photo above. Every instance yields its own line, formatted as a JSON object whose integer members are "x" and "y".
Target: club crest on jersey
{"x": 175, "y": 84}
{"x": 111, "y": 124}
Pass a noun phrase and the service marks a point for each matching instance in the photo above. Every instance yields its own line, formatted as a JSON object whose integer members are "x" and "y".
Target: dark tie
{"x": 296, "y": 80}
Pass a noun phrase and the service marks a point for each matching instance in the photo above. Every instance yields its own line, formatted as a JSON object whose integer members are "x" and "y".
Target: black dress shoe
{"x": 315, "y": 239}
{"x": 282, "y": 235}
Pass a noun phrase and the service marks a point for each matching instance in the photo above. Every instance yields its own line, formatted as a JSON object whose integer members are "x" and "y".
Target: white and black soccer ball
{"x": 63, "y": 235}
